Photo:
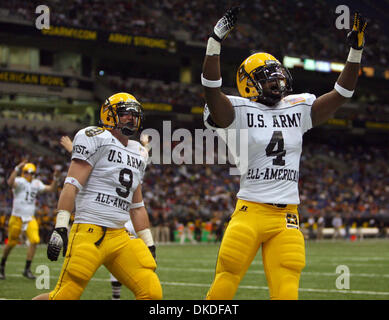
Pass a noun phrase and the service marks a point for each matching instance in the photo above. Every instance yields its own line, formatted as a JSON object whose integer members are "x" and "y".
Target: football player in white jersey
{"x": 25, "y": 190}
{"x": 273, "y": 122}
{"x": 67, "y": 144}
{"x": 103, "y": 184}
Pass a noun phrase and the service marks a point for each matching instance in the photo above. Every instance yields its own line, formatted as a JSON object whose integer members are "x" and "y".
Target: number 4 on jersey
{"x": 275, "y": 148}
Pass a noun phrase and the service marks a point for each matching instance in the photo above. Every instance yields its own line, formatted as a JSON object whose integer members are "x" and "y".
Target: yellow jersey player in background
{"x": 266, "y": 211}
{"x": 104, "y": 182}
{"x": 25, "y": 190}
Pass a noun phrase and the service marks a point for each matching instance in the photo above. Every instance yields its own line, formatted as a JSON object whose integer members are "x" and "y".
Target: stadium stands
{"x": 276, "y": 26}
{"x": 347, "y": 179}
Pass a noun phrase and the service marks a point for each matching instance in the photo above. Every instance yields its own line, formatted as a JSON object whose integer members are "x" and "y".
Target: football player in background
{"x": 25, "y": 190}
{"x": 104, "y": 181}
{"x": 116, "y": 286}
{"x": 275, "y": 121}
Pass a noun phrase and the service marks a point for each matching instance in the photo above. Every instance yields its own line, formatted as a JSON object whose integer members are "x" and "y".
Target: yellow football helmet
{"x": 28, "y": 168}
{"x": 258, "y": 69}
{"x": 118, "y": 105}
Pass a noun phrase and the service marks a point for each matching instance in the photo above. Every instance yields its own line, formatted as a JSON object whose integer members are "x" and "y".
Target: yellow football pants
{"x": 15, "y": 226}
{"x": 129, "y": 260}
{"x": 283, "y": 252}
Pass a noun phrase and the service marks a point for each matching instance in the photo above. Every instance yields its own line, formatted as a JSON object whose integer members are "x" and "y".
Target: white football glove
{"x": 225, "y": 24}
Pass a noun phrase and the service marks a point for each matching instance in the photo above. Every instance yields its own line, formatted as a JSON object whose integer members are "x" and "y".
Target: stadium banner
{"x": 157, "y": 106}
{"x": 92, "y": 36}
{"x": 41, "y": 79}
{"x": 377, "y": 125}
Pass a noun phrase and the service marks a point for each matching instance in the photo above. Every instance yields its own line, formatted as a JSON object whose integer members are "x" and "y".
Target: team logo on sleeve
{"x": 93, "y": 131}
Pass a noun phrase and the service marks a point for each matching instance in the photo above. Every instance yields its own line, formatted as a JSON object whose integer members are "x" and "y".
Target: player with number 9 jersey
{"x": 106, "y": 197}
{"x": 104, "y": 186}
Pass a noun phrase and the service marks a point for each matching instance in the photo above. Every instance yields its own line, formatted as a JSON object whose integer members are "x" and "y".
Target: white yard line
{"x": 203, "y": 285}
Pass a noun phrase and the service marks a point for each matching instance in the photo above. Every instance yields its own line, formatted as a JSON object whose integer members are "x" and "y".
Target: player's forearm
{"x": 325, "y": 106}
{"x": 67, "y": 198}
{"x": 53, "y": 186}
{"x": 211, "y": 68}
{"x": 218, "y": 104}
{"x": 349, "y": 76}
{"x": 140, "y": 219}
{"x": 11, "y": 179}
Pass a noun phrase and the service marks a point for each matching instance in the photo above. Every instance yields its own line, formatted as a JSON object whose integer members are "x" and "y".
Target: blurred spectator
{"x": 337, "y": 224}
{"x": 320, "y": 227}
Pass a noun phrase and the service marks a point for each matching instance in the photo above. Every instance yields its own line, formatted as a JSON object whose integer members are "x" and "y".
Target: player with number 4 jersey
{"x": 269, "y": 123}
{"x": 104, "y": 181}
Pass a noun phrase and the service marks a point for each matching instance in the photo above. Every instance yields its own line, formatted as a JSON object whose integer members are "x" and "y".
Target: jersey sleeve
{"x": 306, "y": 121}
{"x": 17, "y": 183}
{"x": 86, "y": 145}
{"x": 209, "y": 124}
{"x": 41, "y": 186}
{"x": 145, "y": 154}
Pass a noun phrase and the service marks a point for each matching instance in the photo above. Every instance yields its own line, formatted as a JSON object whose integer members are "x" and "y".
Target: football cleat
{"x": 28, "y": 274}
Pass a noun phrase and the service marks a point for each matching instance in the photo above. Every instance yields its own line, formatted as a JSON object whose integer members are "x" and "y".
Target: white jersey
{"x": 24, "y": 196}
{"x": 273, "y": 146}
{"x": 117, "y": 171}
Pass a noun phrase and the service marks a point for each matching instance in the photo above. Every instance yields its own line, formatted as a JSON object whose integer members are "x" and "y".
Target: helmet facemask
{"x": 272, "y": 81}
{"x": 133, "y": 125}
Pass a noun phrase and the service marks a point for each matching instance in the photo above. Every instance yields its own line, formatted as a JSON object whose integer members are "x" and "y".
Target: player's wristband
{"x": 213, "y": 47}
{"x": 146, "y": 236}
{"x": 355, "y": 56}
{"x": 74, "y": 182}
{"x": 343, "y": 92}
{"x": 63, "y": 217}
{"x": 17, "y": 169}
{"x": 137, "y": 205}
{"x": 211, "y": 83}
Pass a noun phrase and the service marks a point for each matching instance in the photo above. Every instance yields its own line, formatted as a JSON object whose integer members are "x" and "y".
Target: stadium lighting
{"x": 323, "y": 66}
{"x": 309, "y": 64}
{"x": 291, "y": 62}
{"x": 337, "y": 67}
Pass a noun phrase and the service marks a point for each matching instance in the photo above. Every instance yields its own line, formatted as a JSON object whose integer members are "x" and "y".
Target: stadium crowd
{"x": 352, "y": 181}
{"x": 290, "y": 21}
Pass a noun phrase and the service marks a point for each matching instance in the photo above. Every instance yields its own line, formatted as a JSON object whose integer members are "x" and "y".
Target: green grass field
{"x": 186, "y": 272}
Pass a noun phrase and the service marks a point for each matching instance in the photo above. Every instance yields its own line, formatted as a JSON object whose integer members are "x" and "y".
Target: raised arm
{"x": 54, "y": 184}
{"x": 326, "y": 105}
{"x": 14, "y": 173}
{"x": 66, "y": 143}
{"x": 221, "y": 109}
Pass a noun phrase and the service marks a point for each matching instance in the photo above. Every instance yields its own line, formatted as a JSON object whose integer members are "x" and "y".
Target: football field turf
{"x": 186, "y": 272}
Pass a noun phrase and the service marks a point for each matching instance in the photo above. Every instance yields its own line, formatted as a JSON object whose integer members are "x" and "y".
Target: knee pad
{"x": 292, "y": 251}
{"x": 238, "y": 244}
